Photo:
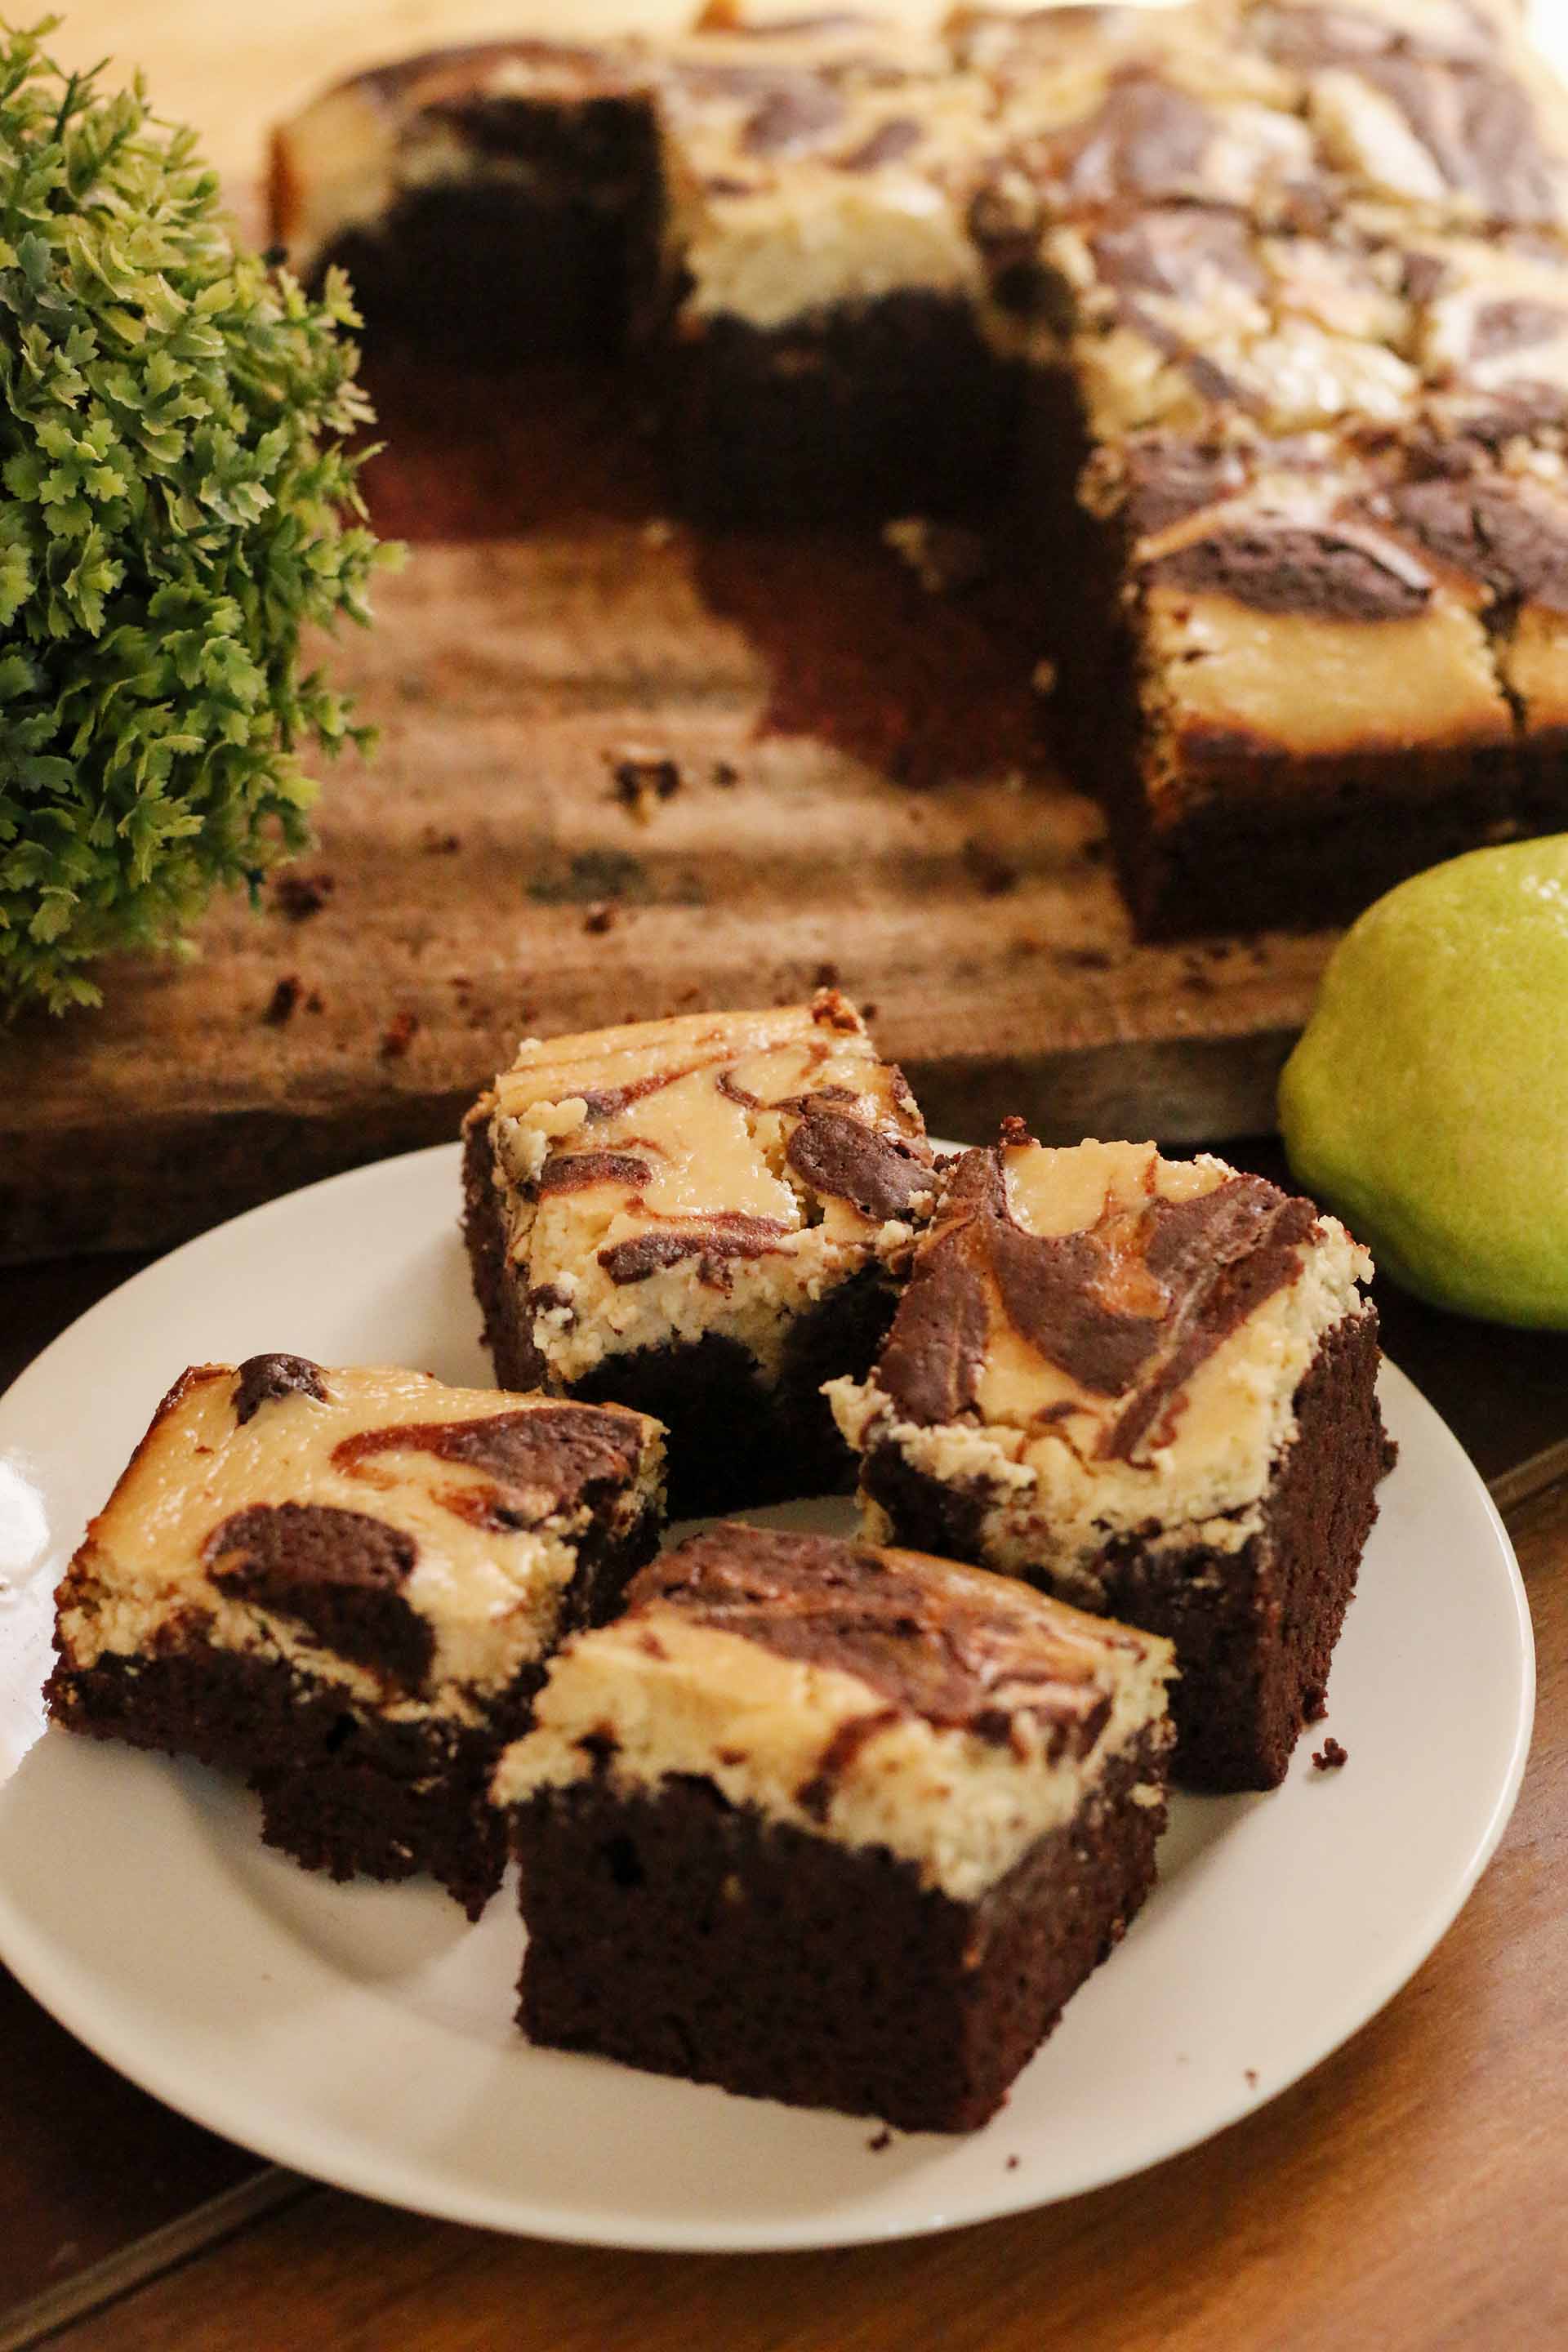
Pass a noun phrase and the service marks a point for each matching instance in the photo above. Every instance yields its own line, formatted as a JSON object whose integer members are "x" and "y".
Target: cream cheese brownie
{"x": 1149, "y": 1387}
{"x": 343, "y": 1585}
{"x": 699, "y": 1216}
{"x": 832, "y": 1825}
{"x": 870, "y": 270}
{"x": 507, "y": 191}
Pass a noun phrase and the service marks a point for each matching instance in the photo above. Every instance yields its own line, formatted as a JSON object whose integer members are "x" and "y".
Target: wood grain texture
{"x": 894, "y": 815}
{"x": 1408, "y": 2197}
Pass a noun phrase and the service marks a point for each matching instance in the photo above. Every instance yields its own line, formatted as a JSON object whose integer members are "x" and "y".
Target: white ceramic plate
{"x": 364, "y": 2033}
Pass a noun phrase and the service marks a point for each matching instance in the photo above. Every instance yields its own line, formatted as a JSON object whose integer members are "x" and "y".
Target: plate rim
{"x": 389, "y": 2176}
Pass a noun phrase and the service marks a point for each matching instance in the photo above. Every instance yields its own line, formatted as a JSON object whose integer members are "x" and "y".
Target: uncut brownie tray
{"x": 1253, "y": 314}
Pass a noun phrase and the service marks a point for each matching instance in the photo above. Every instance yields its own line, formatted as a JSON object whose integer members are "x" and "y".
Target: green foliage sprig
{"x": 178, "y": 502}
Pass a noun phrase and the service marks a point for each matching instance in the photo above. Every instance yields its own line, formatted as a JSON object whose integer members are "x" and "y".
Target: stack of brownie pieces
{"x": 1257, "y": 309}
{"x": 839, "y": 1821}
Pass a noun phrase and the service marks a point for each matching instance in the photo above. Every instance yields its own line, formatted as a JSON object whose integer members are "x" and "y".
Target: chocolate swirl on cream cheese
{"x": 1510, "y": 539}
{"x": 261, "y": 1380}
{"x": 842, "y": 1157}
{"x": 549, "y": 1459}
{"x": 1128, "y": 1307}
{"x": 1338, "y": 572}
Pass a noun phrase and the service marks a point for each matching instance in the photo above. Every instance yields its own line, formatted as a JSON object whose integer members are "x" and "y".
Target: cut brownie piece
{"x": 344, "y": 1584}
{"x": 1148, "y": 1386}
{"x": 832, "y": 1825}
{"x": 1191, "y": 320}
{"x": 828, "y": 354}
{"x": 507, "y": 194}
{"x": 1302, "y": 703}
{"x": 699, "y": 1216}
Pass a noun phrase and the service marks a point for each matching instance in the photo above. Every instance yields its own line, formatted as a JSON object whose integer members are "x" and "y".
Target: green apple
{"x": 1427, "y": 1099}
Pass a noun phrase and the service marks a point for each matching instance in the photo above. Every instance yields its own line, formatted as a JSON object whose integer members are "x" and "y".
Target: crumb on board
{"x": 1330, "y": 1756}
{"x": 641, "y": 779}
{"x": 1011, "y": 2164}
{"x": 298, "y": 897}
{"x": 725, "y": 774}
{"x": 879, "y": 2140}
{"x": 436, "y": 844}
{"x": 315, "y": 1002}
{"x": 995, "y": 873}
{"x": 281, "y": 1004}
{"x": 397, "y": 1037}
{"x": 1251, "y": 2074}
{"x": 600, "y": 916}
{"x": 826, "y": 976}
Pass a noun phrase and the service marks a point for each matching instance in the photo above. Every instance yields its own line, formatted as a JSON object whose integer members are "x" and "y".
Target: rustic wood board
{"x": 891, "y": 822}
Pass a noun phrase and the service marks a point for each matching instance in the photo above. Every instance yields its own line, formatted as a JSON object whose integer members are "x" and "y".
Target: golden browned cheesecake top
{"x": 410, "y": 1540}
{"x": 712, "y": 1171}
{"x": 876, "y": 1697}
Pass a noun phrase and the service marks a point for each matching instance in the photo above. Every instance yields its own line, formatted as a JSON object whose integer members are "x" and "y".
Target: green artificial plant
{"x": 178, "y": 503}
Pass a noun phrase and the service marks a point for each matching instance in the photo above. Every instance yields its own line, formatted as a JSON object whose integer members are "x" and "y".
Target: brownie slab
{"x": 1149, "y": 1387}
{"x": 342, "y": 1585}
{"x": 700, "y": 1217}
{"x": 832, "y": 1825}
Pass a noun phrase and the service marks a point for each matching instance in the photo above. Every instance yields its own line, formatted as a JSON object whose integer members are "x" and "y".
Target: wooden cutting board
{"x": 860, "y": 792}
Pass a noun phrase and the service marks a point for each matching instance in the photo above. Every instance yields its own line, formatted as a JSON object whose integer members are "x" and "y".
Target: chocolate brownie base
{"x": 681, "y": 1934}
{"x": 342, "y": 1791}
{"x": 1254, "y": 1630}
{"x": 893, "y": 407}
{"x": 1300, "y": 844}
{"x": 552, "y": 261}
{"x": 735, "y": 1440}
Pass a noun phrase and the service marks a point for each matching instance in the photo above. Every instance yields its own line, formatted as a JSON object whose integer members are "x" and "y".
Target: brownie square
{"x": 832, "y": 1825}
{"x": 700, "y": 1217}
{"x": 343, "y": 1585}
{"x": 1149, "y": 1387}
